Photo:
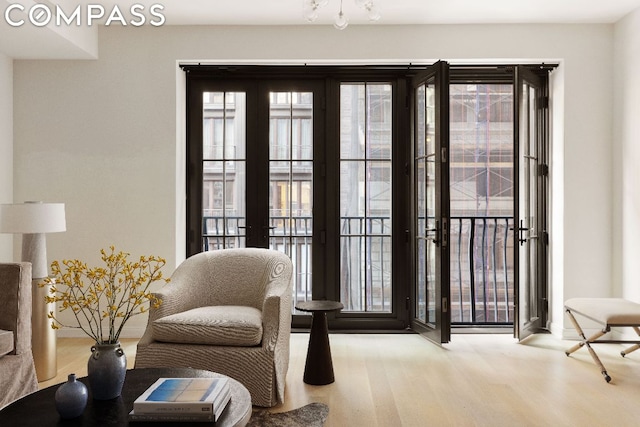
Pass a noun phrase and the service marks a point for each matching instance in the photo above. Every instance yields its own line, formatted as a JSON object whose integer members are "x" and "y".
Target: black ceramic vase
{"x": 71, "y": 398}
{"x": 106, "y": 368}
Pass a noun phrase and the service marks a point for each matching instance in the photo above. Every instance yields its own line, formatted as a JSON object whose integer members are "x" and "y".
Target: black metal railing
{"x": 223, "y": 232}
{"x": 365, "y": 264}
{"x": 481, "y": 275}
{"x": 292, "y": 236}
{"x": 481, "y": 251}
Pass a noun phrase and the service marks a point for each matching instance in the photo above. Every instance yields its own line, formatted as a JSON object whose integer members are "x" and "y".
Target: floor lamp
{"x": 33, "y": 220}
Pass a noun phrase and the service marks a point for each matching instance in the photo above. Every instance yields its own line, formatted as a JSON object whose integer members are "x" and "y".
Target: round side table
{"x": 318, "y": 369}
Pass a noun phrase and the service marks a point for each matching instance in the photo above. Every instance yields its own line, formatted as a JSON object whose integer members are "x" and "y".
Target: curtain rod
{"x": 390, "y": 67}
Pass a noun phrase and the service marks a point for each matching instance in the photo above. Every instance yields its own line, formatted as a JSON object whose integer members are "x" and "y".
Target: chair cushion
{"x": 608, "y": 311}
{"x": 227, "y": 325}
{"x": 6, "y": 342}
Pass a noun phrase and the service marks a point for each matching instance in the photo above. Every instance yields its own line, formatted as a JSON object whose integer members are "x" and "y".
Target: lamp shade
{"x": 32, "y": 217}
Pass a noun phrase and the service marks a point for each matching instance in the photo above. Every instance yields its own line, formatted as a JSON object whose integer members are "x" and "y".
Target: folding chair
{"x": 609, "y": 312}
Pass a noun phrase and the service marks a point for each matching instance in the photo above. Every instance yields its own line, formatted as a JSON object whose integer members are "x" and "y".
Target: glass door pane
{"x": 365, "y": 197}
{"x": 431, "y": 315}
{"x": 481, "y": 198}
{"x": 529, "y": 156}
{"x": 291, "y": 183}
{"x": 425, "y": 162}
{"x": 223, "y": 170}
{"x": 530, "y": 286}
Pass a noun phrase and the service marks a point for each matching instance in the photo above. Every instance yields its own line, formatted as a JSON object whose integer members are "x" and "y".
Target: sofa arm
{"x": 15, "y": 288}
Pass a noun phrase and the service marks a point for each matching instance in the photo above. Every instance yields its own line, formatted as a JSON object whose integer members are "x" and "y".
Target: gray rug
{"x": 311, "y": 415}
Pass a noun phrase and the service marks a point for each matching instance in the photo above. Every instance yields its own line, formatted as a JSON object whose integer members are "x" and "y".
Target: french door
{"x": 530, "y": 253}
{"x": 306, "y": 163}
{"x": 431, "y": 316}
{"x": 254, "y": 169}
{"x": 313, "y": 161}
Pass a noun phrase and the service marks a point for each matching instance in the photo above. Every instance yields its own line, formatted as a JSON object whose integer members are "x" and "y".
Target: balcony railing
{"x": 292, "y": 236}
{"x": 365, "y": 270}
{"x": 481, "y": 276}
{"x": 481, "y": 251}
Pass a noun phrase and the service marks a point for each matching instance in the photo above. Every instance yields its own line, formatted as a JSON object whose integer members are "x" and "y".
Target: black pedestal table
{"x": 318, "y": 369}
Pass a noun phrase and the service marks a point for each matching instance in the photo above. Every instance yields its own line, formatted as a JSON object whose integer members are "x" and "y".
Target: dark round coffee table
{"x": 318, "y": 369}
{"x": 38, "y": 409}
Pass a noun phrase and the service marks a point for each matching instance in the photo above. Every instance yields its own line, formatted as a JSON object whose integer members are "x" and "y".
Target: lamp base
{"x": 43, "y": 337}
{"x": 34, "y": 250}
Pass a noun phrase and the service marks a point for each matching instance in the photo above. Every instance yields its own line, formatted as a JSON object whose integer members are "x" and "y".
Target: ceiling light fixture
{"x": 341, "y": 21}
{"x": 311, "y": 7}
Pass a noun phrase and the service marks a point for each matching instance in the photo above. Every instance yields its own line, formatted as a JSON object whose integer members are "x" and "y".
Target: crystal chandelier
{"x": 310, "y": 11}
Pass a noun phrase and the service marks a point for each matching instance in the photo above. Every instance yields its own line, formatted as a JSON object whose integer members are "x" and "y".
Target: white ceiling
{"x": 64, "y": 42}
{"x": 289, "y": 12}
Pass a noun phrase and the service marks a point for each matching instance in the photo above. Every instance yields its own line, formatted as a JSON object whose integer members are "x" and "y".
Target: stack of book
{"x": 182, "y": 400}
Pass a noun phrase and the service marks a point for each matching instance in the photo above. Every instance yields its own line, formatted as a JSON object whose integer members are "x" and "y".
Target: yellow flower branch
{"x": 100, "y": 295}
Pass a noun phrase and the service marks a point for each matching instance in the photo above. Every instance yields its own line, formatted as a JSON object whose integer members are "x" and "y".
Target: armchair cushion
{"x": 225, "y": 325}
{"x": 6, "y": 342}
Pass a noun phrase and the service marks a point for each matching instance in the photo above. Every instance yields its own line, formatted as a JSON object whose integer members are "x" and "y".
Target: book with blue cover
{"x": 202, "y": 397}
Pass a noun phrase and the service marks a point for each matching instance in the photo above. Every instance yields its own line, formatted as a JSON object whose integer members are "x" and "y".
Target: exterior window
{"x": 291, "y": 183}
{"x": 365, "y": 196}
{"x": 481, "y": 184}
{"x": 481, "y": 149}
{"x": 223, "y": 170}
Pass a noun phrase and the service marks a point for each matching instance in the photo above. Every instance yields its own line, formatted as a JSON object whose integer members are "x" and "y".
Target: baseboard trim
{"x": 133, "y": 332}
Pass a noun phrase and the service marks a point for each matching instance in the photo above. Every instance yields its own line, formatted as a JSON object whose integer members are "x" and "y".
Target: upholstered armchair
{"x": 227, "y": 311}
{"x": 17, "y": 371}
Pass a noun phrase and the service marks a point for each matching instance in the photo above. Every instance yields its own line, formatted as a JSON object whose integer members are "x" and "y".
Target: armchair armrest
{"x": 174, "y": 300}
{"x": 276, "y": 314}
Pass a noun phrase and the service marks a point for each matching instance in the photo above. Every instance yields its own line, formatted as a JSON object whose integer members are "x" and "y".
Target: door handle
{"x": 521, "y": 231}
{"x": 433, "y": 234}
{"x": 265, "y": 228}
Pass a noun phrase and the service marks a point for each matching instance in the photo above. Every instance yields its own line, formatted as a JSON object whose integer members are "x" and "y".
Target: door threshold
{"x": 482, "y": 329}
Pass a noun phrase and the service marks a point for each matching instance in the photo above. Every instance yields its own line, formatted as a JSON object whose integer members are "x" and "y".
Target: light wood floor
{"x": 476, "y": 380}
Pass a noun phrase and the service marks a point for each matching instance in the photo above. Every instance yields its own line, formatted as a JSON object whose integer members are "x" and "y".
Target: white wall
{"x": 626, "y": 184}
{"x": 6, "y": 149}
{"x": 557, "y": 201}
{"x": 101, "y": 135}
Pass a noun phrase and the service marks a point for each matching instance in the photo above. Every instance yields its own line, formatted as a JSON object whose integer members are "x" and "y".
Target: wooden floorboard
{"x": 476, "y": 380}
